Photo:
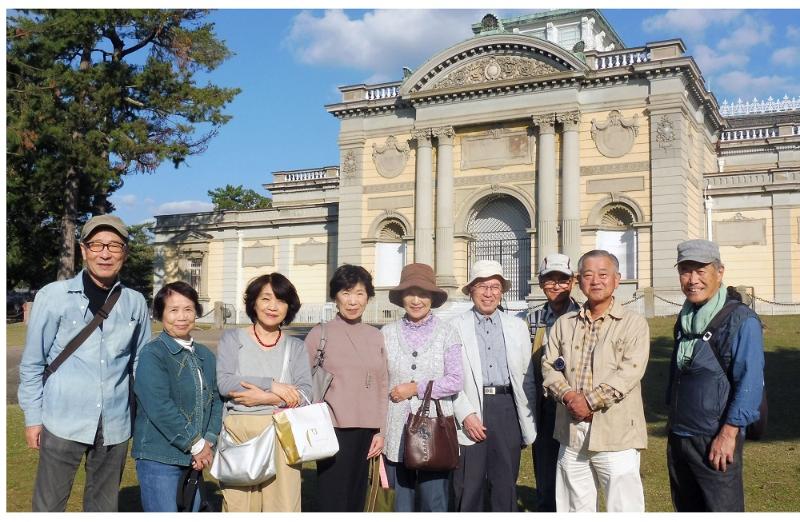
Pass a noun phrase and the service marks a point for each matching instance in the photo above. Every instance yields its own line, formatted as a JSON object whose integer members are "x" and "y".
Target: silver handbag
{"x": 320, "y": 377}
{"x": 251, "y": 462}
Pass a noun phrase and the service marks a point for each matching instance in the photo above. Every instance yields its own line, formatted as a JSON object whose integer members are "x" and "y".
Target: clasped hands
{"x": 577, "y": 406}
{"x": 403, "y": 391}
{"x": 204, "y": 458}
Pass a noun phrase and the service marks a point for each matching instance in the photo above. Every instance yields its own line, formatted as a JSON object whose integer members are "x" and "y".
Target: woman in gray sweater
{"x": 258, "y": 370}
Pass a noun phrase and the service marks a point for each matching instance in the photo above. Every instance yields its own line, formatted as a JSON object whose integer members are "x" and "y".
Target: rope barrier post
{"x": 219, "y": 315}
{"x": 26, "y": 311}
{"x": 649, "y": 295}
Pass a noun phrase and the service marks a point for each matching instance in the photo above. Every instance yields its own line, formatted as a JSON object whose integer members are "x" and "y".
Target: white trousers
{"x": 580, "y": 472}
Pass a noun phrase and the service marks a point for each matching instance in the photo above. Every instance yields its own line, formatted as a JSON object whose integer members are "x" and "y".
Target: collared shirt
{"x": 492, "y": 348}
{"x": 93, "y": 381}
{"x": 593, "y": 328}
{"x": 545, "y": 317}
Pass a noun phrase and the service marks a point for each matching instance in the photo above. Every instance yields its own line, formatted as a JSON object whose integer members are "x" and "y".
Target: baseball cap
{"x": 104, "y": 221}
{"x": 556, "y": 263}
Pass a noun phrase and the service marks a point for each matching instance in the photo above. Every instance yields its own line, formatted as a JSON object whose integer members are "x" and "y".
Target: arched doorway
{"x": 499, "y": 225}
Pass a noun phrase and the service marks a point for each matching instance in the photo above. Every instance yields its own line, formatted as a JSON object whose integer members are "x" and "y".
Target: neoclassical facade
{"x": 538, "y": 134}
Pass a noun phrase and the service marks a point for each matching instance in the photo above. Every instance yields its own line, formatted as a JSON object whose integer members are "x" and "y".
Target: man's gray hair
{"x": 598, "y": 253}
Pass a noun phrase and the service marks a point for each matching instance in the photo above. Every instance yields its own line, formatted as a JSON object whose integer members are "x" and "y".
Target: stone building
{"x": 541, "y": 133}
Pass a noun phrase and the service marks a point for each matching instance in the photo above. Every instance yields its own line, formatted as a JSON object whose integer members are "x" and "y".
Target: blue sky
{"x": 290, "y": 63}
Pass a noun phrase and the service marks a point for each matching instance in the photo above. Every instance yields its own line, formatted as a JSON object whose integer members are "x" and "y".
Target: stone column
{"x": 546, "y": 236}
{"x": 444, "y": 208}
{"x": 570, "y": 186}
{"x": 423, "y": 199}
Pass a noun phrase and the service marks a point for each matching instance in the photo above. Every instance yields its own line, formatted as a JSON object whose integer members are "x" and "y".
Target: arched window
{"x": 390, "y": 253}
{"x": 617, "y": 235}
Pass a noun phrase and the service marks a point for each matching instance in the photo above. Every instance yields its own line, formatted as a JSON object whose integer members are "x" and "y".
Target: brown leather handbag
{"x": 431, "y": 443}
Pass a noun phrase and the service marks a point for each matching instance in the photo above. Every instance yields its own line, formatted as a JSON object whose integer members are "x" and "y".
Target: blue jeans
{"x": 158, "y": 483}
{"x": 433, "y": 488}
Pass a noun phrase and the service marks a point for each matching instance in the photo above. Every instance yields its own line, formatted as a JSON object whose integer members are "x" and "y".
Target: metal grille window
{"x": 195, "y": 266}
{"x": 499, "y": 225}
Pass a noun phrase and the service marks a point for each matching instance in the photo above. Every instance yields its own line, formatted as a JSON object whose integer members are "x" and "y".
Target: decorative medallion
{"x": 495, "y": 69}
{"x": 390, "y": 159}
{"x": 665, "y": 132}
{"x": 615, "y": 136}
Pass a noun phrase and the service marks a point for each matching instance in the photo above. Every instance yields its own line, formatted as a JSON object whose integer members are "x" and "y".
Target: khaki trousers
{"x": 280, "y": 493}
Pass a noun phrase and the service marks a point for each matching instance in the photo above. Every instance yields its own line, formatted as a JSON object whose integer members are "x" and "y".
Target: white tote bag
{"x": 306, "y": 433}
{"x": 251, "y": 462}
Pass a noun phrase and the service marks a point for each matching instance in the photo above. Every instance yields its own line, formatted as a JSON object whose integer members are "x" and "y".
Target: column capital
{"x": 445, "y": 135}
{"x": 423, "y": 136}
{"x": 570, "y": 120}
{"x": 545, "y": 122}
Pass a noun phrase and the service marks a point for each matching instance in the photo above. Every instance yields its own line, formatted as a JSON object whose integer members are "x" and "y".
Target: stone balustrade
{"x": 306, "y": 174}
{"x": 382, "y": 93}
{"x": 743, "y": 108}
{"x": 623, "y": 58}
{"x": 749, "y": 134}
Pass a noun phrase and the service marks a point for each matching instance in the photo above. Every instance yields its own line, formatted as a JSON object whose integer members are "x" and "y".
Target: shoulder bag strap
{"x": 320, "y": 359}
{"x": 711, "y": 330}
{"x": 84, "y": 334}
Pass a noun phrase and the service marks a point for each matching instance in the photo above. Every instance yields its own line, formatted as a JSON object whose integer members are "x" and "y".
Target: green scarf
{"x": 694, "y": 321}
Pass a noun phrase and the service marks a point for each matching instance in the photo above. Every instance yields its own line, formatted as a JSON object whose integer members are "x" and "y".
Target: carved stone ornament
{"x": 545, "y": 122}
{"x": 495, "y": 69}
{"x": 665, "y": 132}
{"x": 615, "y": 136}
{"x": 570, "y": 120}
{"x": 423, "y": 136}
{"x": 349, "y": 166}
{"x": 391, "y": 158}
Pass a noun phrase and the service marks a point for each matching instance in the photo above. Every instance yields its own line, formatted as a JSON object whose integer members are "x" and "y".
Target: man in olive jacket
{"x": 593, "y": 366}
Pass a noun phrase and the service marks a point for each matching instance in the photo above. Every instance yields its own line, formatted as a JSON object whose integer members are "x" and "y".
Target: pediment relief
{"x": 191, "y": 236}
{"x": 391, "y": 158}
{"x": 491, "y": 59}
{"x": 494, "y": 69}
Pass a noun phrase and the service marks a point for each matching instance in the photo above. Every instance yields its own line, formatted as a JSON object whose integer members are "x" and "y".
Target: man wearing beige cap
{"x": 716, "y": 385}
{"x": 593, "y": 367}
{"x": 556, "y": 279}
{"x": 83, "y": 337}
{"x": 495, "y": 409}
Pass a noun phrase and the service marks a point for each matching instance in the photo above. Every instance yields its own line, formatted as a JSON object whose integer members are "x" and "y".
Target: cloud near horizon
{"x": 183, "y": 207}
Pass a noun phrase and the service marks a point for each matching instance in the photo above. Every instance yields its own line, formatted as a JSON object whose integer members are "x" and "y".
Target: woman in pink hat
{"x": 420, "y": 348}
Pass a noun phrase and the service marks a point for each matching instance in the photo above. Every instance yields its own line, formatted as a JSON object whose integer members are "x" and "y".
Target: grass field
{"x": 772, "y": 466}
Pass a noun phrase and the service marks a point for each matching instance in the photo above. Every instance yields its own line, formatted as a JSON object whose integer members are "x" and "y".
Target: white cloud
{"x": 128, "y": 200}
{"x": 751, "y": 33}
{"x": 793, "y": 32}
{"x": 382, "y": 41}
{"x": 710, "y": 60}
{"x": 183, "y": 207}
{"x": 788, "y": 56}
{"x": 689, "y": 22}
{"x": 747, "y": 86}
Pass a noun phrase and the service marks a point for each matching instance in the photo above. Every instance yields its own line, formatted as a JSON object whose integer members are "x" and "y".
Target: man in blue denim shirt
{"x": 84, "y": 407}
{"x": 711, "y": 403}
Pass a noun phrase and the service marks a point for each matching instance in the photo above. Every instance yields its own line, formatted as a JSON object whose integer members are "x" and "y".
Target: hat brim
{"x": 503, "y": 281}
{"x": 566, "y": 272}
{"x": 438, "y": 296}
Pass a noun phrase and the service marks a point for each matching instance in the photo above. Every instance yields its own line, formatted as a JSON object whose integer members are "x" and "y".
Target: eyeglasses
{"x": 483, "y": 287}
{"x": 552, "y": 284}
{"x": 98, "y": 246}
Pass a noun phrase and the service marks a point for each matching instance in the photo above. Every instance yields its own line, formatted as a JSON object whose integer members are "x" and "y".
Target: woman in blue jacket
{"x": 179, "y": 410}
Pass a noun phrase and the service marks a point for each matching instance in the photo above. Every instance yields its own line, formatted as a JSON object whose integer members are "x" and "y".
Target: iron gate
{"x": 513, "y": 254}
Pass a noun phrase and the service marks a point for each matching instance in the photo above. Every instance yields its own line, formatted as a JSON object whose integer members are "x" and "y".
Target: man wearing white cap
{"x": 495, "y": 409}
{"x": 556, "y": 279}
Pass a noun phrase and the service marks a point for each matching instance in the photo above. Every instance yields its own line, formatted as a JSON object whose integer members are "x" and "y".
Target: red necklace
{"x": 267, "y": 345}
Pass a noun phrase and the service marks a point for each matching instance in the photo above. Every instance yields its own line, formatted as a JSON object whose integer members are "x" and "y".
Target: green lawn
{"x": 772, "y": 466}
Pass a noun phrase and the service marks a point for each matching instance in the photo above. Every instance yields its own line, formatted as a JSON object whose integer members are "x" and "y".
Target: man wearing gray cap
{"x": 494, "y": 411}
{"x": 556, "y": 279}
{"x": 715, "y": 388}
{"x": 83, "y": 337}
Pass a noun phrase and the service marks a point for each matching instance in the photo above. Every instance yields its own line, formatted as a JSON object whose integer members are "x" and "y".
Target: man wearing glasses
{"x": 593, "y": 367}
{"x": 84, "y": 408}
{"x": 495, "y": 409}
{"x": 556, "y": 279}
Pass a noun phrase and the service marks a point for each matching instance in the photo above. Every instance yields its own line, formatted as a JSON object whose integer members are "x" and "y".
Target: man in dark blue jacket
{"x": 712, "y": 396}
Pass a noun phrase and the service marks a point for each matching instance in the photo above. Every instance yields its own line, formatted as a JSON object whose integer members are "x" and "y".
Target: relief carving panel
{"x": 311, "y": 252}
{"x": 258, "y": 255}
{"x": 497, "y": 148}
{"x": 494, "y": 69}
{"x": 740, "y": 231}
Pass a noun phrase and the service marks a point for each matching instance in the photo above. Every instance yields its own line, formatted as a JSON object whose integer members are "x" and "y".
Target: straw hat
{"x": 418, "y": 275}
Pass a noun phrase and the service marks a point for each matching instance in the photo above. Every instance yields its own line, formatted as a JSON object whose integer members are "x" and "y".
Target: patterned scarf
{"x": 694, "y": 322}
